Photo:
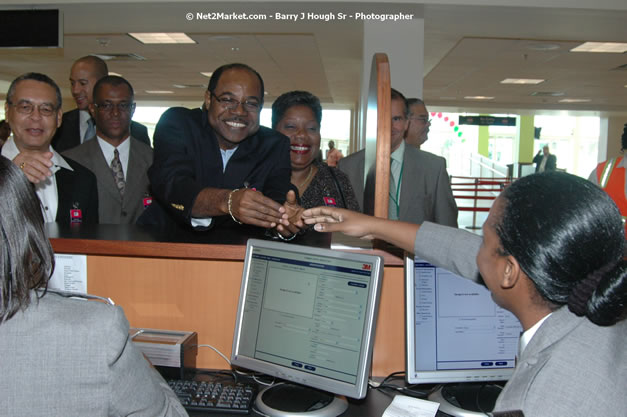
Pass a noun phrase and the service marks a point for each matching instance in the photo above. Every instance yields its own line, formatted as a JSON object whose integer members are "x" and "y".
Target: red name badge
{"x": 76, "y": 216}
{"x": 147, "y": 201}
{"x": 329, "y": 201}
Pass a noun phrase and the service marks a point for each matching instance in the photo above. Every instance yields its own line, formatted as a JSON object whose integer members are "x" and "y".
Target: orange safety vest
{"x": 611, "y": 179}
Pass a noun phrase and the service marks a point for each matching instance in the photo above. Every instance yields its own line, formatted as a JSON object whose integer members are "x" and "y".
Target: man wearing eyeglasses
{"x": 67, "y": 190}
{"x": 216, "y": 164}
{"x": 78, "y": 125}
{"x": 419, "y": 185}
{"x": 119, "y": 160}
{"x": 419, "y": 123}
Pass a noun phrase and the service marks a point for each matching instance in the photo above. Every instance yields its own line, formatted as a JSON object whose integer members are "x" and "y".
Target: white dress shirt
{"x": 124, "y": 150}
{"x": 46, "y": 190}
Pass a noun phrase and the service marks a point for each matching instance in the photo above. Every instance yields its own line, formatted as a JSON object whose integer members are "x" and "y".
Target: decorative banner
{"x": 487, "y": 121}
{"x": 451, "y": 123}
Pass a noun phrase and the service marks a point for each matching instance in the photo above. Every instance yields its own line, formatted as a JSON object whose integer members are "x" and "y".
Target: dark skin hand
{"x": 292, "y": 222}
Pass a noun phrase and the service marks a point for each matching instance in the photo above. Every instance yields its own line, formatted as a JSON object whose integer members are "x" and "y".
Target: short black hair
{"x": 397, "y": 95}
{"x": 215, "y": 77}
{"x": 295, "y": 98}
{"x": 567, "y": 236}
{"x": 36, "y": 77}
{"x": 112, "y": 80}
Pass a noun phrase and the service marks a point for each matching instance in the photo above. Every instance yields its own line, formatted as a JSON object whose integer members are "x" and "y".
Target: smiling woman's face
{"x": 300, "y": 125}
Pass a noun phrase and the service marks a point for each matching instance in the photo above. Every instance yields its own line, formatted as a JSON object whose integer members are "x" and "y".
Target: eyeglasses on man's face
{"x": 229, "y": 103}
{"x": 26, "y": 107}
{"x": 122, "y": 107}
{"x": 423, "y": 119}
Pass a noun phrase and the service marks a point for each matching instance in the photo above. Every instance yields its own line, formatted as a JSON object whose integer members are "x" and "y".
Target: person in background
{"x": 419, "y": 183}
{"x": 544, "y": 160}
{"x": 555, "y": 260}
{"x": 333, "y": 154}
{"x": 611, "y": 176}
{"x": 419, "y": 123}
{"x": 78, "y": 125}
{"x": 62, "y": 356}
{"x": 5, "y": 132}
{"x": 67, "y": 190}
{"x": 297, "y": 115}
{"x": 119, "y": 161}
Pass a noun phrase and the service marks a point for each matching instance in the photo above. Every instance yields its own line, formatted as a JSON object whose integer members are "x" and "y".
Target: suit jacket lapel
{"x": 411, "y": 183}
{"x": 136, "y": 170}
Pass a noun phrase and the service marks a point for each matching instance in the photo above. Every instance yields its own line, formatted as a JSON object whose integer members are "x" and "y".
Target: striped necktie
{"x": 118, "y": 172}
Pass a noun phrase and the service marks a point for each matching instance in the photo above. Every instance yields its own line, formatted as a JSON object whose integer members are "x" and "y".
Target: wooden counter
{"x": 190, "y": 282}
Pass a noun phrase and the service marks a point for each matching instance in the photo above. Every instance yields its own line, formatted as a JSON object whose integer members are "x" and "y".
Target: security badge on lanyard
{"x": 76, "y": 214}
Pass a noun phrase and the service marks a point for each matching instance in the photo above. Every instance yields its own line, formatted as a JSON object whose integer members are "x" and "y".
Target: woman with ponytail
{"x": 552, "y": 254}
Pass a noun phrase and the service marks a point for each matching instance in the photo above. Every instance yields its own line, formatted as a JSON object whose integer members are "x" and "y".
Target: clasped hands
{"x": 252, "y": 207}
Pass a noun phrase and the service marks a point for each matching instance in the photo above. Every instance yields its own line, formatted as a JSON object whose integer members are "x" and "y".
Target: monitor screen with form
{"x": 455, "y": 331}
{"x": 307, "y": 315}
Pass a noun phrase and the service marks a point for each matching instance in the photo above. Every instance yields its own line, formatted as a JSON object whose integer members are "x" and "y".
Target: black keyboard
{"x": 217, "y": 395}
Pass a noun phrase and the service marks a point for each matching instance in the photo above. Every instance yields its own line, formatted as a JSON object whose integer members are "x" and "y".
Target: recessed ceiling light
{"x": 608, "y": 47}
{"x": 159, "y": 92}
{"x": 521, "y": 81}
{"x": 162, "y": 38}
{"x": 574, "y": 100}
{"x": 207, "y": 74}
{"x": 235, "y": 49}
{"x": 478, "y": 98}
{"x": 115, "y": 73}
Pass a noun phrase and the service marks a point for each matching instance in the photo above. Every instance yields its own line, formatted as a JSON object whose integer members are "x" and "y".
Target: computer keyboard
{"x": 216, "y": 394}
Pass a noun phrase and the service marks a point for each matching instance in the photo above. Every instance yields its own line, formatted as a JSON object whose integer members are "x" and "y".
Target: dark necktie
{"x": 118, "y": 172}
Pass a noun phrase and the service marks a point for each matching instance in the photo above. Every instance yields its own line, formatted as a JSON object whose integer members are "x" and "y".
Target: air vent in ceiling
{"x": 120, "y": 57}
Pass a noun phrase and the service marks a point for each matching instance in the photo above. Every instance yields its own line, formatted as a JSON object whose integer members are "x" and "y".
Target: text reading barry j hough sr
{"x": 302, "y": 16}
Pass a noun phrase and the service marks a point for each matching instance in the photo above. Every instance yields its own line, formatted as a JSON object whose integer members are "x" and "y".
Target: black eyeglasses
{"x": 230, "y": 103}
{"x": 26, "y": 107}
{"x": 422, "y": 119}
{"x": 123, "y": 107}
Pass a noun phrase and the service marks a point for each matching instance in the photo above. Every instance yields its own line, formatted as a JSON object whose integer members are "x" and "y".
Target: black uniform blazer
{"x": 76, "y": 189}
{"x": 187, "y": 159}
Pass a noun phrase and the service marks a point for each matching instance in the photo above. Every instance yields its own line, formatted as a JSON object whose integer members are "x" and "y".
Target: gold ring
{"x": 22, "y": 165}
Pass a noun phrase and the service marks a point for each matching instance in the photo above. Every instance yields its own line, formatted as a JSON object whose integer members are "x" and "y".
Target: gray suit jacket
{"x": 570, "y": 368}
{"x": 112, "y": 208}
{"x": 67, "y": 357}
{"x": 425, "y": 190}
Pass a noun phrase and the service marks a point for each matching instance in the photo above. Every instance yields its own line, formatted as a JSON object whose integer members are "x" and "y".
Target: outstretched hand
{"x": 333, "y": 219}
{"x": 291, "y": 223}
{"x": 252, "y": 207}
{"x": 35, "y": 165}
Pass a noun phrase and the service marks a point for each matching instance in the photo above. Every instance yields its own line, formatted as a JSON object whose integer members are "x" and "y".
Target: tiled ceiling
{"x": 468, "y": 51}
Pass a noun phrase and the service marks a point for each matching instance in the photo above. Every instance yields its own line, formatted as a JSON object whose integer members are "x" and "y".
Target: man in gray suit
{"x": 419, "y": 186}
{"x": 119, "y": 161}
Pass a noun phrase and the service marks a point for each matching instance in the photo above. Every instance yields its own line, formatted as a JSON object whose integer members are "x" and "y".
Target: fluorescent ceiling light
{"x": 574, "y": 100}
{"x": 207, "y": 74}
{"x": 521, "y": 81}
{"x": 608, "y": 47}
{"x": 478, "y": 98}
{"x": 159, "y": 92}
{"x": 162, "y": 38}
{"x": 115, "y": 73}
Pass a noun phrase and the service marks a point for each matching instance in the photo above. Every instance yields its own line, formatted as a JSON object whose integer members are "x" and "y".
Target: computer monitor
{"x": 307, "y": 316}
{"x": 455, "y": 331}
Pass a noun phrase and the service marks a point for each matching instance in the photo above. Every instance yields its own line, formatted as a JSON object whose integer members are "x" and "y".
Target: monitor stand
{"x": 286, "y": 399}
{"x": 466, "y": 399}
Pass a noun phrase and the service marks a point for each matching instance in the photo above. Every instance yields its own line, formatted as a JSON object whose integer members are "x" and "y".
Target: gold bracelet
{"x": 229, "y": 205}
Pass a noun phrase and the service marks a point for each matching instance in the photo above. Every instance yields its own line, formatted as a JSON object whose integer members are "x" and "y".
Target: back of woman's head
{"x": 26, "y": 259}
{"x": 568, "y": 237}
{"x": 295, "y": 98}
